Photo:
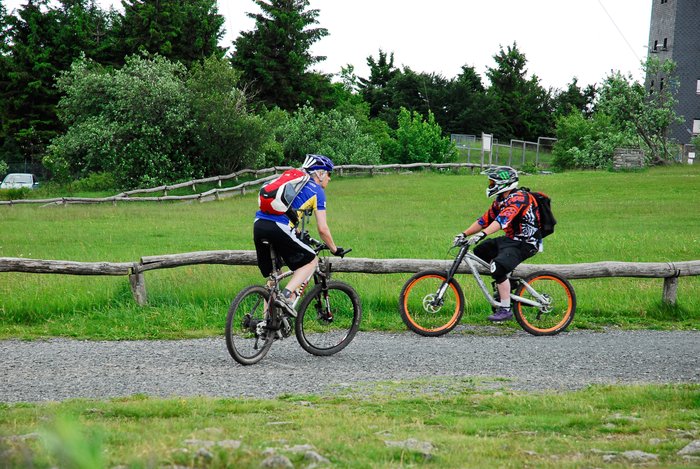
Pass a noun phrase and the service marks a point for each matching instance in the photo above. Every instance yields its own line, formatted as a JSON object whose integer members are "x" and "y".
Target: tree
{"x": 181, "y": 31}
{"x": 648, "y": 114}
{"x": 28, "y": 95}
{"x": 4, "y": 83}
{"x": 469, "y": 109}
{"x": 226, "y": 137}
{"x": 375, "y": 89}
{"x": 274, "y": 58}
{"x": 85, "y": 29}
{"x": 134, "y": 122}
{"x": 420, "y": 92}
{"x": 574, "y": 99}
{"x": 40, "y": 42}
{"x": 419, "y": 140}
{"x": 524, "y": 107}
{"x": 153, "y": 122}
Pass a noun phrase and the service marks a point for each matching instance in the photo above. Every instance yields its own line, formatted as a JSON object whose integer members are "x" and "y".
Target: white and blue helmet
{"x": 317, "y": 162}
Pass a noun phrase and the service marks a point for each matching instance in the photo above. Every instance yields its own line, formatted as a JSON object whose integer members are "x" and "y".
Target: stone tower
{"x": 674, "y": 34}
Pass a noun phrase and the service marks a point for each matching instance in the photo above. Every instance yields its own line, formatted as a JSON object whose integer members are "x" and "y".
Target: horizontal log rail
{"x": 669, "y": 271}
{"x": 37, "y": 266}
{"x": 223, "y": 192}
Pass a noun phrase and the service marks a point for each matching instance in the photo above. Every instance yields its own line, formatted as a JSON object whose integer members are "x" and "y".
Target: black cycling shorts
{"x": 504, "y": 254}
{"x": 287, "y": 246}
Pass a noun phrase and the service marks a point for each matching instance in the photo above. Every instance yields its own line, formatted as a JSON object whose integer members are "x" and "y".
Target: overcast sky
{"x": 561, "y": 39}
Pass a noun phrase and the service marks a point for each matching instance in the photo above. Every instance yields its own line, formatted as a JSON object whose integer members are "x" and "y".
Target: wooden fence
{"x": 669, "y": 271}
{"x": 219, "y": 192}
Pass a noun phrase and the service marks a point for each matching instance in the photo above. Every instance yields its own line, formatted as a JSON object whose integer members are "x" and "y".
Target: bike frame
{"x": 277, "y": 275}
{"x": 473, "y": 262}
{"x": 320, "y": 275}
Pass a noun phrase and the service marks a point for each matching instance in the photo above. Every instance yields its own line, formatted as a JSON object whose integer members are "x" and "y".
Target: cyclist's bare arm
{"x": 476, "y": 227}
{"x": 323, "y": 230}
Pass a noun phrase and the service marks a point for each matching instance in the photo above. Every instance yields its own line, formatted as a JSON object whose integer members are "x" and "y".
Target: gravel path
{"x": 59, "y": 369}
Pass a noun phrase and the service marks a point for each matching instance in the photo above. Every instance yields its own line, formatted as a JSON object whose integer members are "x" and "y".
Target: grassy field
{"x": 462, "y": 423}
{"x": 437, "y": 423}
{"x": 647, "y": 216}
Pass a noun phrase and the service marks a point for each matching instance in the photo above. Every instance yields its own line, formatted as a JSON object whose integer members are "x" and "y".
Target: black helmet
{"x": 501, "y": 179}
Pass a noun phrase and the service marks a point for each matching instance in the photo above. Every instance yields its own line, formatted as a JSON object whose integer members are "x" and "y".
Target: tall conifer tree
{"x": 274, "y": 58}
{"x": 184, "y": 31}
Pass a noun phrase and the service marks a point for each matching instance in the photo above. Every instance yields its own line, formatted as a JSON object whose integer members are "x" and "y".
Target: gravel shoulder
{"x": 60, "y": 369}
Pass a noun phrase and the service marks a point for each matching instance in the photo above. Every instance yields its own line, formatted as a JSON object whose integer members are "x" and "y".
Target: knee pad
{"x": 498, "y": 273}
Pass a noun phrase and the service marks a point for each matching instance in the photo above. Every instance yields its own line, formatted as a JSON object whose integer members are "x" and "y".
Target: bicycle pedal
{"x": 286, "y": 308}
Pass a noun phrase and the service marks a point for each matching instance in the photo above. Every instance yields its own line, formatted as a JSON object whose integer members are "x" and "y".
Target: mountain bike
{"x": 431, "y": 302}
{"x": 328, "y": 316}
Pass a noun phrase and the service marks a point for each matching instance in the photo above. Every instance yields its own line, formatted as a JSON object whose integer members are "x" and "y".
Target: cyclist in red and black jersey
{"x": 515, "y": 212}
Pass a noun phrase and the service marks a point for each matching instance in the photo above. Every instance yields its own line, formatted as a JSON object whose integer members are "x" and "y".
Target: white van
{"x": 18, "y": 180}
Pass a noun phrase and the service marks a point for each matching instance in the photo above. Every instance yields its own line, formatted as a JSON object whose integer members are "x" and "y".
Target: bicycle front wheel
{"x": 247, "y": 340}
{"x": 328, "y": 319}
{"x": 423, "y": 311}
{"x": 558, "y": 311}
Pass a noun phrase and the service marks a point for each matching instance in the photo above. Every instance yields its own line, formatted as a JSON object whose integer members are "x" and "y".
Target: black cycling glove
{"x": 340, "y": 252}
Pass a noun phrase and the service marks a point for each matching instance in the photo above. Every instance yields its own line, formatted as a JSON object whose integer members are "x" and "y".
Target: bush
{"x": 3, "y": 168}
{"x": 134, "y": 122}
{"x": 226, "y": 136}
{"x": 588, "y": 142}
{"x": 95, "y": 182}
{"x": 332, "y": 134}
{"x": 15, "y": 194}
{"x": 419, "y": 141}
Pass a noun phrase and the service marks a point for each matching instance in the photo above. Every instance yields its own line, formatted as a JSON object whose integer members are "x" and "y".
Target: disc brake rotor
{"x": 429, "y": 304}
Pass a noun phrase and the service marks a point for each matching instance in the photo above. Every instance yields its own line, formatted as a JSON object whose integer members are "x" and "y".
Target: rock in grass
{"x": 425, "y": 448}
{"x": 691, "y": 449}
{"x": 639, "y": 456}
{"x": 315, "y": 458}
{"x": 277, "y": 461}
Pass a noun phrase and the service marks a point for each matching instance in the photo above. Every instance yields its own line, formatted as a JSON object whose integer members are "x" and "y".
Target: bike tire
{"x": 422, "y": 318}
{"x": 321, "y": 334}
{"x": 242, "y": 341}
{"x": 537, "y": 322}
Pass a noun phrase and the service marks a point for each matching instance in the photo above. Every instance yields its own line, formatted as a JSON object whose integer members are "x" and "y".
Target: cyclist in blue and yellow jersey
{"x": 282, "y": 233}
{"x": 515, "y": 212}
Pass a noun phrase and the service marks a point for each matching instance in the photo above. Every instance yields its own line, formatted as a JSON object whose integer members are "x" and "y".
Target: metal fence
{"x": 519, "y": 154}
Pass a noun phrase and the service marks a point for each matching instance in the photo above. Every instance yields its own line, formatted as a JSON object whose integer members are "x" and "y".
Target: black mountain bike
{"x": 431, "y": 302}
{"x": 328, "y": 316}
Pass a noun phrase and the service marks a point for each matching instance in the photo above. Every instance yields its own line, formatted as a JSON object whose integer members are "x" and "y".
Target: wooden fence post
{"x": 138, "y": 286}
{"x": 670, "y": 290}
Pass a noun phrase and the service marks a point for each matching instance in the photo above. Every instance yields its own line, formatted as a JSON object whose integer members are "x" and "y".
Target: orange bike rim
{"x": 455, "y": 315}
{"x": 568, "y": 309}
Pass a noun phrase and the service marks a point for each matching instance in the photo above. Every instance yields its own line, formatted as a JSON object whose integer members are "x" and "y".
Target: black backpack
{"x": 544, "y": 205}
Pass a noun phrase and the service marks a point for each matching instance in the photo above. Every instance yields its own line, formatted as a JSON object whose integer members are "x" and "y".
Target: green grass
{"x": 458, "y": 423}
{"x": 647, "y": 216}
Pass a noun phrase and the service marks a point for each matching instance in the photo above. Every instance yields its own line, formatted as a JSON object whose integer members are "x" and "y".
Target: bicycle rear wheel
{"x": 328, "y": 319}
{"x": 420, "y": 310}
{"x": 556, "y": 315}
{"x": 246, "y": 340}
